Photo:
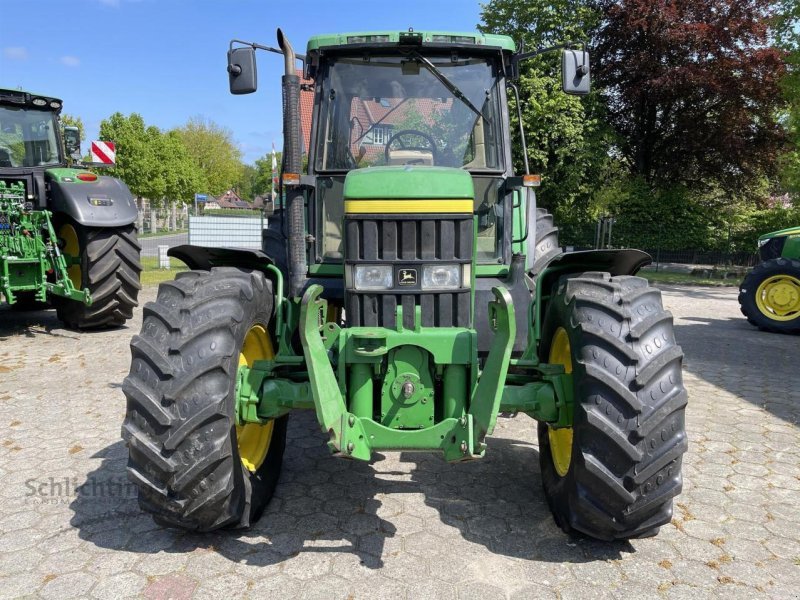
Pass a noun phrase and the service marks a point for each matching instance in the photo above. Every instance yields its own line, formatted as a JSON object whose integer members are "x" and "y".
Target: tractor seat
{"x": 411, "y": 157}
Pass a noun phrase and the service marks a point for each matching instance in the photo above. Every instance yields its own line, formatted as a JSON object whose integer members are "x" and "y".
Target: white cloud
{"x": 15, "y": 53}
{"x": 70, "y": 61}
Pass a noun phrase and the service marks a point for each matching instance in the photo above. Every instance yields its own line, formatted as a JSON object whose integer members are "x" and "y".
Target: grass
{"x": 152, "y": 275}
{"x": 687, "y": 279}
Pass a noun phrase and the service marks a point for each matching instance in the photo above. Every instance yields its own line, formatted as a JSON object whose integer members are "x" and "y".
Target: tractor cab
{"x": 29, "y": 132}
{"x": 410, "y": 101}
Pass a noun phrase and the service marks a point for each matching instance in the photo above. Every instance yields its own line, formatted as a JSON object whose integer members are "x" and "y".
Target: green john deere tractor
{"x": 409, "y": 290}
{"x": 67, "y": 235}
{"x": 770, "y": 294}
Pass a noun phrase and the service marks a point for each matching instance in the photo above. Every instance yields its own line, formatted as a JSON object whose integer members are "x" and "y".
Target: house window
{"x": 379, "y": 135}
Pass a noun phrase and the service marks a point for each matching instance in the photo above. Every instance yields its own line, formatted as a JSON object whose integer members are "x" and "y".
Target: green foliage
{"x": 658, "y": 218}
{"x": 687, "y": 197}
{"x": 232, "y": 212}
{"x": 247, "y": 178}
{"x": 181, "y": 175}
{"x": 262, "y": 182}
{"x": 137, "y": 157}
{"x": 752, "y": 223}
{"x": 154, "y": 164}
{"x": 567, "y": 139}
{"x": 214, "y": 152}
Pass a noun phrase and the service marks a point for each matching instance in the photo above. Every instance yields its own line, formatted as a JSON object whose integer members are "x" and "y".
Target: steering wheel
{"x": 407, "y": 132}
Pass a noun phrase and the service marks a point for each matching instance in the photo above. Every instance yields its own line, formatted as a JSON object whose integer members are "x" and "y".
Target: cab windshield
{"x": 409, "y": 110}
{"x": 28, "y": 138}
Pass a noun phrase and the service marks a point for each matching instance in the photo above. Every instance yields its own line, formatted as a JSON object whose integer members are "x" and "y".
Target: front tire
{"x": 613, "y": 474}
{"x": 546, "y": 248}
{"x": 109, "y": 266}
{"x": 195, "y": 469}
{"x": 770, "y": 296}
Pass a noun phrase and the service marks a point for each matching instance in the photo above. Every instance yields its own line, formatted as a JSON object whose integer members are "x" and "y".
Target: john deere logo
{"x": 407, "y": 277}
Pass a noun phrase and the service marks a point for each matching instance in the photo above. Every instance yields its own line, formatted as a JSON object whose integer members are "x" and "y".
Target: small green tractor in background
{"x": 408, "y": 291}
{"x": 67, "y": 235}
{"x": 770, "y": 294}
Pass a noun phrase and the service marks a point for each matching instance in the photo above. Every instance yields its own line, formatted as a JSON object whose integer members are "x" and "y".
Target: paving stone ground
{"x": 406, "y": 525}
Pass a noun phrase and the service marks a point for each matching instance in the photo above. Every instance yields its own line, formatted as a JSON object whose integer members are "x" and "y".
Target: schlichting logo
{"x": 60, "y": 489}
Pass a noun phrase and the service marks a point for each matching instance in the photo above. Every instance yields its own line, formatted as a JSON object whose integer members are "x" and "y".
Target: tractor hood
{"x": 99, "y": 202}
{"x": 409, "y": 189}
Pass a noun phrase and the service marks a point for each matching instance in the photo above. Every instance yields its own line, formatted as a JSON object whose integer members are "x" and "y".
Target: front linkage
{"x": 468, "y": 415}
{"x": 29, "y": 252}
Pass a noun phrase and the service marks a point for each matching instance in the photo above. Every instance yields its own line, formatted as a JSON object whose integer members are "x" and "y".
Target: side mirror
{"x": 242, "y": 70}
{"x": 72, "y": 142}
{"x": 575, "y": 72}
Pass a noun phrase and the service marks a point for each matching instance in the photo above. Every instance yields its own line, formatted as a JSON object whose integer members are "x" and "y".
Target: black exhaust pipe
{"x": 293, "y": 163}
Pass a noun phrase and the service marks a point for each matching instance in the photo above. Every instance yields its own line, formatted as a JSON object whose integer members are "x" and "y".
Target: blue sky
{"x": 165, "y": 59}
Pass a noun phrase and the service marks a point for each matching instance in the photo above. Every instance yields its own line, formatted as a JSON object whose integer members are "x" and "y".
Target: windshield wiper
{"x": 451, "y": 87}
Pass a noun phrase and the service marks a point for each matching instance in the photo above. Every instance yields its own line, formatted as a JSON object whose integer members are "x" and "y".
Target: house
{"x": 230, "y": 200}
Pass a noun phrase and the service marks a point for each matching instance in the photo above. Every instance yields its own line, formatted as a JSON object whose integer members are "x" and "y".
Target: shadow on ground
{"x": 724, "y": 351}
{"x": 32, "y": 323}
{"x": 328, "y": 504}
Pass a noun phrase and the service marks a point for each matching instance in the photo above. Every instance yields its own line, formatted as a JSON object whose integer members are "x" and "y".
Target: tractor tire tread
{"x": 180, "y": 405}
{"x": 112, "y": 264}
{"x": 629, "y": 408}
{"x": 546, "y": 247}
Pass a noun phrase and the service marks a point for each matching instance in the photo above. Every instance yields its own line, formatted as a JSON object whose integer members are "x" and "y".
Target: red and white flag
{"x": 104, "y": 152}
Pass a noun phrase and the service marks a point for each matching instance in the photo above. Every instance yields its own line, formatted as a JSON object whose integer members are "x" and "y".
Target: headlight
{"x": 762, "y": 242}
{"x": 441, "y": 277}
{"x": 373, "y": 277}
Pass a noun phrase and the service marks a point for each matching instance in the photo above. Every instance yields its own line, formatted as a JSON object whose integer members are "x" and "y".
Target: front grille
{"x": 408, "y": 242}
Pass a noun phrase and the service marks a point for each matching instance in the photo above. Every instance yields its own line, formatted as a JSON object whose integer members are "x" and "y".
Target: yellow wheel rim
{"x": 778, "y": 298}
{"x": 72, "y": 249}
{"x": 561, "y": 439}
{"x": 253, "y": 439}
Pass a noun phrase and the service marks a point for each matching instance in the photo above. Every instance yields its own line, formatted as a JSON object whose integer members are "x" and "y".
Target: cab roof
{"x": 29, "y": 99}
{"x": 421, "y": 38}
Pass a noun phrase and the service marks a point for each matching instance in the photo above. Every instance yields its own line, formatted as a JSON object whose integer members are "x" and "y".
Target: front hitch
{"x": 353, "y": 436}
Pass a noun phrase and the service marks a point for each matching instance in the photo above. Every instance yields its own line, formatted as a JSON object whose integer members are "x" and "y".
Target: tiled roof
{"x": 231, "y": 199}
{"x": 306, "y": 110}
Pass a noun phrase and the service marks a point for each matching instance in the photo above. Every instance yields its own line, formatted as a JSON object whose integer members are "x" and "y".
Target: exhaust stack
{"x": 293, "y": 163}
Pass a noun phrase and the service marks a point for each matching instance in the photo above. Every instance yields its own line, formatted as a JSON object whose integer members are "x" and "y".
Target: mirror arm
{"x": 302, "y": 57}
{"x": 518, "y": 58}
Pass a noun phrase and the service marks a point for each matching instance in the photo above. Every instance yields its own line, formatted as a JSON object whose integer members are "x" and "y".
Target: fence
{"x": 703, "y": 259}
{"x": 232, "y": 232}
{"x": 161, "y": 230}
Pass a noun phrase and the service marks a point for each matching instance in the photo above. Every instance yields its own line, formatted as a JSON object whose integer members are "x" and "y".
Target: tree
{"x": 691, "y": 88}
{"x": 137, "y": 154}
{"x": 214, "y": 152}
{"x": 567, "y": 140}
{"x": 182, "y": 178}
{"x": 786, "y": 32}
